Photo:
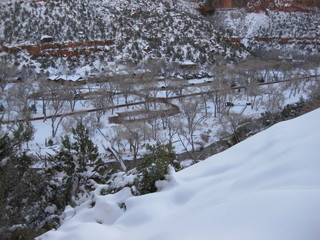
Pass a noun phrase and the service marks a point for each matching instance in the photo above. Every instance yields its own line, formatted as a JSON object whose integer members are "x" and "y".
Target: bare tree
{"x": 115, "y": 86}
{"x": 295, "y": 87}
{"x": 87, "y": 119}
{"x": 72, "y": 97}
{"x": 7, "y": 71}
{"x": 191, "y": 110}
{"x": 230, "y": 124}
{"x": 147, "y": 89}
{"x": 150, "y": 87}
{"x": 135, "y": 134}
{"x": 275, "y": 99}
{"x": 21, "y": 94}
{"x": 171, "y": 125}
{"x": 43, "y": 91}
{"x": 205, "y": 97}
{"x": 218, "y": 94}
{"x": 17, "y": 101}
{"x": 55, "y": 103}
{"x": 253, "y": 92}
{"x": 118, "y": 139}
{"x": 101, "y": 101}
{"x": 168, "y": 86}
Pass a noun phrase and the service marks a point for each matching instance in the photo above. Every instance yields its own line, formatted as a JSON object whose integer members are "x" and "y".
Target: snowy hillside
{"x": 123, "y": 31}
{"x": 290, "y": 32}
{"x": 91, "y": 34}
{"x": 266, "y": 187}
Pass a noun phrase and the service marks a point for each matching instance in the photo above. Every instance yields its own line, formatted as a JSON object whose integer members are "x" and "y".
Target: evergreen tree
{"x": 78, "y": 162}
{"x": 23, "y": 189}
{"x": 154, "y": 166}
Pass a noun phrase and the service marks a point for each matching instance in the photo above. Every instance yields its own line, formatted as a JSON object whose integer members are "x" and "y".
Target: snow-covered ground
{"x": 250, "y": 26}
{"x": 108, "y": 133}
{"x": 266, "y": 187}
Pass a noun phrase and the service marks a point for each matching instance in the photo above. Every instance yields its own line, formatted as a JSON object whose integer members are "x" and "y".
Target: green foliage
{"x": 24, "y": 133}
{"x": 5, "y": 147}
{"x": 235, "y": 139}
{"x": 9, "y": 145}
{"x": 23, "y": 189}
{"x": 80, "y": 149}
{"x": 288, "y": 112}
{"x": 154, "y": 166}
{"x": 87, "y": 151}
{"x": 78, "y": 162}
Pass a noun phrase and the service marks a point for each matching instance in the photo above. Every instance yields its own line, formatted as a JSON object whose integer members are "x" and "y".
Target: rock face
{"x": 69, "y": 49}
{"x": 290, "y": 5}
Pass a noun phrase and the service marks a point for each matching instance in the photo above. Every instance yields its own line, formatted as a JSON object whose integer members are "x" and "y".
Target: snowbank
{"x": 267, "y": 187}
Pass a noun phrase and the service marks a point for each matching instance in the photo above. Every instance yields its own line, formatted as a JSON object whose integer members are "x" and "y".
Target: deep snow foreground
{"x": 266, "y": 187}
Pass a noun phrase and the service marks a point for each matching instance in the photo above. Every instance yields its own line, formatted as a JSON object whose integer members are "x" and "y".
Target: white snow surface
{"x": 266, "y": 187}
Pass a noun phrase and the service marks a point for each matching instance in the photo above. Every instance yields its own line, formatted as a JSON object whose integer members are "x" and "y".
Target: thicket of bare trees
{"x": 7, "y": 73}
{"x": 146, "y": 82}
{"x": 191, "y": 111}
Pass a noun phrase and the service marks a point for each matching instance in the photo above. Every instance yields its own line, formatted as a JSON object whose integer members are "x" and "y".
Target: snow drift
{"x": 267, "y": 187}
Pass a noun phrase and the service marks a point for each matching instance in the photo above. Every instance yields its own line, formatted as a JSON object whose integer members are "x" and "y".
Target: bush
{"x": 23, "y": 189}
{"x": 78, "y": 162}
{"x": 154, "y": 166}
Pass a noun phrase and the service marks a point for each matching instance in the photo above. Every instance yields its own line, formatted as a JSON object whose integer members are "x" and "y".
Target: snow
{"x": 187, "y": 62}
{"x": 271, "y": 24}
{"x": 45, "y": 36}
{"x": 254, "y": 21}
{"x": 266, "y": 187}
{"x": 51, "y": 209}
{"x": 66, "y": 77}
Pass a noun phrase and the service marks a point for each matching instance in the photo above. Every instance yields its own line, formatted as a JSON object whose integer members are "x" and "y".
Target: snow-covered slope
{"x": 289, "y": 32}
{"x": 267, "y": 187}
{"x": 87, "y": 31}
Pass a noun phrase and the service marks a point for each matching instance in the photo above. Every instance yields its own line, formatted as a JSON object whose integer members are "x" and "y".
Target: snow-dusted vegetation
{"x": 291, "y": 33}
{"x": 156, "y": 106}
{"x": 266, "y": 187}
{"x": 67, "y": 138}
{"x": 120, "y": 31}
{"x": 104, "y": 102}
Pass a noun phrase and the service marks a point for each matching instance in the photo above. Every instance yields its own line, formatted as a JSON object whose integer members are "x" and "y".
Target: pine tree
{"x": 78, "y": 160}
{"x": 23, "y": 190}
{"x": 154, "y": 166}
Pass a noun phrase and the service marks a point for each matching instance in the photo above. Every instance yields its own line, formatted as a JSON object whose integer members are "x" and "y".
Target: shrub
{"x": 154, "y": 166}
